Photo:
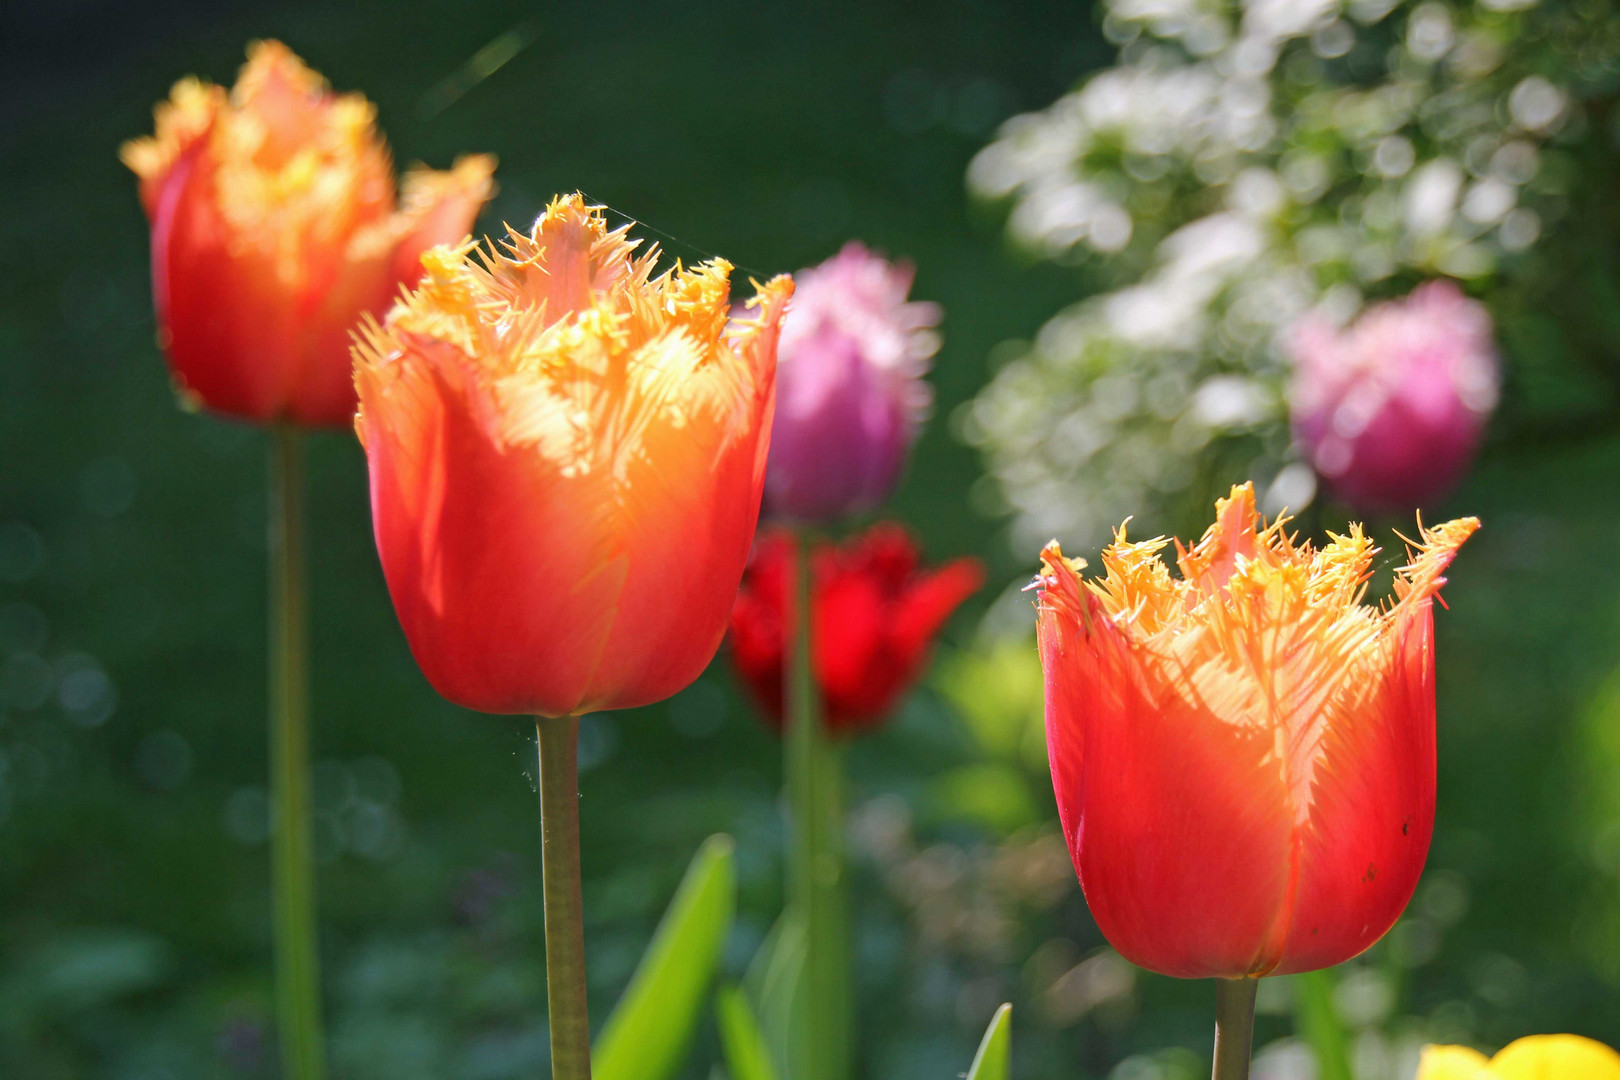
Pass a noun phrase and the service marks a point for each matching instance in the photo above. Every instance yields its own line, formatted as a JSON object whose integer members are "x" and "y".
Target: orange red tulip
{"x": 566, "y": 456}
{"x": 1244, "y": 757}
{"x": 275, "y": 226}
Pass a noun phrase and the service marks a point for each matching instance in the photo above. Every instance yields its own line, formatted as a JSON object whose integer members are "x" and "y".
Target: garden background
{"x": 133, "y": 896}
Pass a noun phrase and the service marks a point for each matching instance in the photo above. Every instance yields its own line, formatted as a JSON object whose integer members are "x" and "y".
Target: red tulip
{"x": 1244, "y": 758}
{"x": 567, "y": 456}
{"x": 275, "y": 227}
{"x": 875, "y": 614}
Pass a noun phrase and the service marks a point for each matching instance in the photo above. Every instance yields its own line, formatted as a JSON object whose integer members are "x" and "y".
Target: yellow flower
{"x": 1535, "y": 1057}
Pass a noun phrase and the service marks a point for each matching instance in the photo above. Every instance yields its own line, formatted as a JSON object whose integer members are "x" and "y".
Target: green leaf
{"x": 995, "y": 1051}
{"x": 775, "y": 985}
{"x": 1319, "y": 1023}
{"x": 650, "y": 1030}
{"x": 748, "y": 1057}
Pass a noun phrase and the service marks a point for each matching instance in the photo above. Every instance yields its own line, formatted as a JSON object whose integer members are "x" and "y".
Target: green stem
{"x": 292, "y": 871}
{"x": 565, "y": 921}
{"x": 1234, "y": 1027}
{"x": 1319, "y": 1024}
{"x": 816, "y": 858}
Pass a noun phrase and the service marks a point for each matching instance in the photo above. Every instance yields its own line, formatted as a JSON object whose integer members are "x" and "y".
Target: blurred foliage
{"x": 647, "y": 1036}
{"x": 748, "y": 1056}
{"x": 1243, "y": 164}
{"x": 133, "y": 907}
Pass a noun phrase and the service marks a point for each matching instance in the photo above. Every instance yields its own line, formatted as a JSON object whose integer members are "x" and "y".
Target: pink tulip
{"x": 850, "y": 394}
{"x": 1391, "y": 410}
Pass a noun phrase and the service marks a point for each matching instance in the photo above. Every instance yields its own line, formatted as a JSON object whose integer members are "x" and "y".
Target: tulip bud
{"x": 275, "y": 227}
{"x": 874, "y": 611}
{"x": 1391, "y": 410}
{"x": 850, "y": 392}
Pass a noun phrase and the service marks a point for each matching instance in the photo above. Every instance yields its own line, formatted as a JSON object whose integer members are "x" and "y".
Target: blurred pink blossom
{"x": 850, "y": 393}
{"x": 1390, "y": 410}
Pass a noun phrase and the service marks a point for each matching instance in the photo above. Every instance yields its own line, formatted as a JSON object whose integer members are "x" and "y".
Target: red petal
{"x": 1372, "y": 813}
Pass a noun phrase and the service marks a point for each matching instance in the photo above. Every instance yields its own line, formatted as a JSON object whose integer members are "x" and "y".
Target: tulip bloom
{"x": 875, "y": 614}
{"x": 1244, "y": 758}
{"x": 1391, "y": 411}
{"x": 852, "y": 395}
{"x": 566, "y": 457}
{"x": 275, "y": 226}
{"x": 1535, "y": 1057}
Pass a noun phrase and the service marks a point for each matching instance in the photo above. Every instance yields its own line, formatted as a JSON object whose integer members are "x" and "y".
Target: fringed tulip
{"x": 1391, "y": 410}
{"x": 875, "y": 612}
{"x": 566, "y": 458}
{"x": 1244, "y": 757}
{"x": 1535, "y": 1057}
{"x": 851, "y": 392}
{"x": 275, "y": 227}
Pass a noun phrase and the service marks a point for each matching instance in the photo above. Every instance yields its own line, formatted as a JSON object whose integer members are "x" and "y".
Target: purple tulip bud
{"x": 1390, "y": 410}
{"x": 850, "y": 394}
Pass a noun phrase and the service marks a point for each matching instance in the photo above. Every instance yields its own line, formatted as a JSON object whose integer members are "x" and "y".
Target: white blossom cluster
{"x": 1240, "y": 165}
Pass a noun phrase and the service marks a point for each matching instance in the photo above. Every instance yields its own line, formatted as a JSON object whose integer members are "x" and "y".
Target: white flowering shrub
{"x": 1240, "y": 165}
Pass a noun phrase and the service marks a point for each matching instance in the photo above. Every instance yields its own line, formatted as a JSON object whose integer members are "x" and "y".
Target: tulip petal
{"x": 438, "y": 208}
{"x": 932, "y": 599}
{"x": 181, "y": 122}
{"x": 227, "y": 327}
{"x": 1371, "y": 813}
{"x": 689, "y": 460}
{"x": 1170, "y": 811}
{"x": 463, "y": 528}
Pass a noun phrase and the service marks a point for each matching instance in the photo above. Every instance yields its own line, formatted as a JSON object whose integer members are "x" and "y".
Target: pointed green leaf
{"x": 647, "y": 1036}
{"x": 775, "y": 986}
{"x": 1320, "y": 1026}
{"x": 748, "y": 1057}
{"x": 995, "y": 1051}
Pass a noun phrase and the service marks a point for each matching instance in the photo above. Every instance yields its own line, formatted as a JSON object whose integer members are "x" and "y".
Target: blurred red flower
{"x": 876, "y": 612}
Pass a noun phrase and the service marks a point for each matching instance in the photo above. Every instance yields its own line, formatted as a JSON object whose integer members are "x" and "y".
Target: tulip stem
{"x": 1234, "y": 1027}
{"x": 292, "y": 871}
{"x": 565, "y": 923}
{"x": 816, "y": 877}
